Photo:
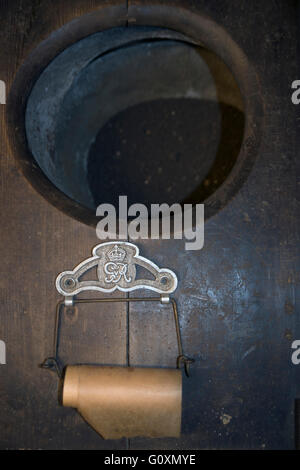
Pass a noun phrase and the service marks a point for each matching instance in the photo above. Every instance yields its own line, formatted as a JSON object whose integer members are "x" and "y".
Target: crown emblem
{"x": 116, "y": 254}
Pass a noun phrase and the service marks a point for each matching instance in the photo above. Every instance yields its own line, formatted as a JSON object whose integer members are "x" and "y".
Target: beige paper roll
{"x": 126, "y": 401}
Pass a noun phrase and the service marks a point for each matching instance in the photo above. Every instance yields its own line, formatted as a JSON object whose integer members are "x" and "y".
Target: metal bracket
{"x": 54, "y": 362}
{"x": 116, "y": 269}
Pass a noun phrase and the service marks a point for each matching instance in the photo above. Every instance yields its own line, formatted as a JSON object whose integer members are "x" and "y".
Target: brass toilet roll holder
{"x": 89, "y": 388}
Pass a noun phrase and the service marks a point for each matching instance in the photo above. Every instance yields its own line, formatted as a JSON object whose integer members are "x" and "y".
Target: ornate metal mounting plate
{"x": 116, "y": 270}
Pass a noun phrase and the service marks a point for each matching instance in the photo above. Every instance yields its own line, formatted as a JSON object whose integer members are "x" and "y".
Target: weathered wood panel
{"x": 237, "y": 297}
{"x": 37, "y": 242}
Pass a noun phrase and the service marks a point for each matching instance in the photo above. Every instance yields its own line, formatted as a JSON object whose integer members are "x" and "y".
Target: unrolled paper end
{"x": 126, "y": 401}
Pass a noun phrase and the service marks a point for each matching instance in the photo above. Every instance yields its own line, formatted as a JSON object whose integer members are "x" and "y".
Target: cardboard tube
{"x": 126, "y": 401}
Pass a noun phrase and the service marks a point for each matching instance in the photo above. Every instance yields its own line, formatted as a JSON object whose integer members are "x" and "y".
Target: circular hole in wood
{"x": 144, "y": 111}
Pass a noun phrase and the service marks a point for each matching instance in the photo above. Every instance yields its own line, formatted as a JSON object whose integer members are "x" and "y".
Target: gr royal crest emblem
{"x": 115, "y": 266}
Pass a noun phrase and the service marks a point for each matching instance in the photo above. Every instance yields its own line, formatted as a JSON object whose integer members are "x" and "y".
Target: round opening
{"x": 141, "y": 111}
{"x": 155, "y": 118}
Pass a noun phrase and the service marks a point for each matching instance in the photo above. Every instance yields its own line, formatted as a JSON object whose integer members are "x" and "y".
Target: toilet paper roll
{"x": 126, "y": 401}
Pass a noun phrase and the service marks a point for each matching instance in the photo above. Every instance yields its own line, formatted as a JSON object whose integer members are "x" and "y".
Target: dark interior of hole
{"x": 146, "y": 119}
{"x": 168, "y": 150}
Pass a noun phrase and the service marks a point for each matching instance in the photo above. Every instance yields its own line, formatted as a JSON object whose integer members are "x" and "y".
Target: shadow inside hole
{"x": 168, "y": 150}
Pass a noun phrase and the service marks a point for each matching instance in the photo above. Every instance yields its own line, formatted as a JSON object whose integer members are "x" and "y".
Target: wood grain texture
{"x": 236, "y": 297}
{"x": 38, "y": 242}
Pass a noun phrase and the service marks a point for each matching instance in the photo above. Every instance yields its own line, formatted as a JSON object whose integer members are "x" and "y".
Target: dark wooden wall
{"x": 237, "y": 296}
